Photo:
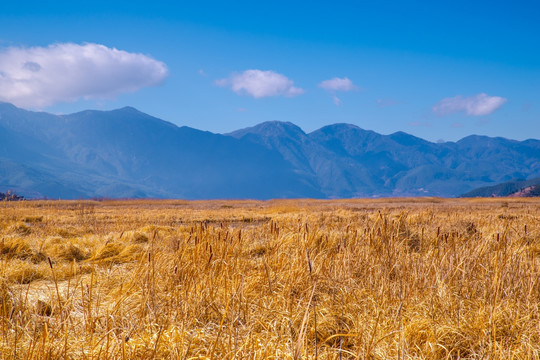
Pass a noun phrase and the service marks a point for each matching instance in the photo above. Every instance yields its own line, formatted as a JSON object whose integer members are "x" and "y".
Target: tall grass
{"x": 356, "y": 279}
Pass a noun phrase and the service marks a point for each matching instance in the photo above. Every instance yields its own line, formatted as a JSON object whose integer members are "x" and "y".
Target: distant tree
{"x": 8, "y": 196}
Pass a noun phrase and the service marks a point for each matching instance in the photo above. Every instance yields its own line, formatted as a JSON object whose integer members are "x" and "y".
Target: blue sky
{"x": 436, "y": 70}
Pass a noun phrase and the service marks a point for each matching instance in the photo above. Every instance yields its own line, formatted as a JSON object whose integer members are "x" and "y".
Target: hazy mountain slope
{"x": 499, "y": 159}
{"x": 509, "y": 188}
{"x": 350, "y": 161}
{"x": 369, "y": 158}
{"x": 289, "y": 139}
{"x": 309, "y": 158}
{"x": 147, "y": 156}
{"x": 333, "y": 168}
{"x": 187, "y": 162}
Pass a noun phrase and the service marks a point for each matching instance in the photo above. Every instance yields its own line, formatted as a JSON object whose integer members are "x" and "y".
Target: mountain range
{"x": 125, "y": 153}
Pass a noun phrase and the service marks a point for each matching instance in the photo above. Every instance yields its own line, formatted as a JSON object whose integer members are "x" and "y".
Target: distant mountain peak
{"x": 127, "y": 116}
{"x": 270, "y": 129}
{"x": 472, "y": 139}
{"x": 10, "y": 108}
{"x": 340, "y": 127}
{"x": 7, "y": 105}
{"x": 130, "y": 109}
{"x": 401, "y": 133}
{"x": 123, "y": 110}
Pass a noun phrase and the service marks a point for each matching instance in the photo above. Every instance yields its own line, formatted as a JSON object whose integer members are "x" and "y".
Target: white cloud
{"x": 338, "y": 84}
{"x": 259, "y": 84}
{"x": 477, "y": 105}
{"x": 42, "y": 76}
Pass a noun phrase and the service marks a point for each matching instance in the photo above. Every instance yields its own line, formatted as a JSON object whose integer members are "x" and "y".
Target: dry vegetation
{"x": 385, "y": 279}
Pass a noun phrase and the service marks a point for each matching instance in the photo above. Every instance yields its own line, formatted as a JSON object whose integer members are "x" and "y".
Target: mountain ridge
{"x": 513, "y": 188}
{"x": 127, "y": 153}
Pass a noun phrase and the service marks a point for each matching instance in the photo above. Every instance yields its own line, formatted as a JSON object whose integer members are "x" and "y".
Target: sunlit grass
{"x": 351, "y": 279}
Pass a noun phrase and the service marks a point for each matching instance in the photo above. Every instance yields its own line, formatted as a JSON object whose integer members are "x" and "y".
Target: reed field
{"x": 283, "y": 279}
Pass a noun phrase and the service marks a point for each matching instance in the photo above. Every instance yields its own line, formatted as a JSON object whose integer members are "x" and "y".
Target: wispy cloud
{"x": 260, "y": 84}
{"x": 41, "y": 76}
{"x": 382, "y": 103}
{"x": 477, "y": 105}
{"x": 420, "y": 123}
{"x": 337, "y": 101}
{"x": 337, "y": 84}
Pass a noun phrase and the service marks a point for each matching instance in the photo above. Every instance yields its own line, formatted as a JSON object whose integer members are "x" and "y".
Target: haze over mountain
{"x": 126, "y": 153}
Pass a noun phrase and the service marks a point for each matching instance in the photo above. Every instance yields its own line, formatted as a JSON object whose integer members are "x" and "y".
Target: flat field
{"x": 284, "y": 279}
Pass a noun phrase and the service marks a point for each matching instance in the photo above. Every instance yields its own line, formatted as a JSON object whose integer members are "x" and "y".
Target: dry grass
{"x": 355, "y": 279}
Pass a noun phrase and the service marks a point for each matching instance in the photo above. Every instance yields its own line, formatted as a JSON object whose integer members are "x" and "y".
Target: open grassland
{"x": 358, "y": 279}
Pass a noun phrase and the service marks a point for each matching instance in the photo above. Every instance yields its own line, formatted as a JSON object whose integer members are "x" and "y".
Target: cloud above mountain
{"x": 337, "y": 84}
{"x": 477, "y": 105}
{"x": 38, "y": 77}
{"x": 260, "y": 84}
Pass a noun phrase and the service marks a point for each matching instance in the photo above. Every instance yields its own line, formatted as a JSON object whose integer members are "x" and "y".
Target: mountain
{"x": 126, "y": 153}
{"x": 348, "y": 161}
{"x": 514, "y": 188}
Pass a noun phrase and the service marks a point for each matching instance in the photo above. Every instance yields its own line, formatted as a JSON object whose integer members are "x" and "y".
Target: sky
{"x": 437, "y": 70}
